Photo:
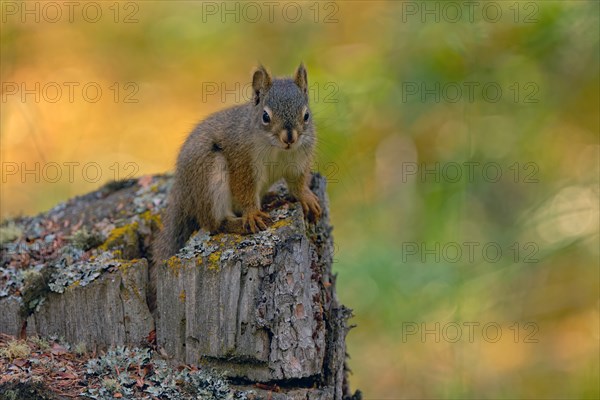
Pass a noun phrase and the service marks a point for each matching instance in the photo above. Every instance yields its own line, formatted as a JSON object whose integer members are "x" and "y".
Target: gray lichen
{"x": 81, "y": 273}
{"x": 138, "y": 373}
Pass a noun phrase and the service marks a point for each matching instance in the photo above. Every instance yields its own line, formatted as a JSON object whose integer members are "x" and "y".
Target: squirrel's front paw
{"x": 255, "y": 221}
{"x": 310, "y": 205}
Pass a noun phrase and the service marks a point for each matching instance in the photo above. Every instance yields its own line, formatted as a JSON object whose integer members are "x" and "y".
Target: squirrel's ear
{"x": 261, "y": 82}
{"x": 300, "y": 78}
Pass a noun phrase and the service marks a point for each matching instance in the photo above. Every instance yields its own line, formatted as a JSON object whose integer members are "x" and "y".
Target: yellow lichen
{"x": 128, "y": 283}
{"x": 151, "y": 219}
{"x": 174, "y": 263}
{"x": 124, "y": 265}
{"x": 280, "y": 223}
{"x": 217, "y": 237}
{"x": 182, "y": 296}
{"x": 224, "y": 241}
{"x": 214, "y": 260}
{"x": 120, "y": 236}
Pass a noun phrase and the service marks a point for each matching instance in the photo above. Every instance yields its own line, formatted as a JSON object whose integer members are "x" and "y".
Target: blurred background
{"x": 460, "y": 141}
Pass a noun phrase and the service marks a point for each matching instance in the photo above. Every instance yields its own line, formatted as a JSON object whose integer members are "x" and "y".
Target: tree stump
{"x": 258, "y": 308}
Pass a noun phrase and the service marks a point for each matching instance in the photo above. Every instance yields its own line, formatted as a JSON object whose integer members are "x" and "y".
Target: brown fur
{"x": 230, "y": 160}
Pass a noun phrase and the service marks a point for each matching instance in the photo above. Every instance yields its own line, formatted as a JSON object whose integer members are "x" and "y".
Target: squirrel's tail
{"x": 177, "y": 229}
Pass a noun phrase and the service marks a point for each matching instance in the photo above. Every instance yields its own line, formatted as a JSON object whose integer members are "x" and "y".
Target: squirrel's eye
{"x": 306, "y": 116}
{"x": 266, "y": 119}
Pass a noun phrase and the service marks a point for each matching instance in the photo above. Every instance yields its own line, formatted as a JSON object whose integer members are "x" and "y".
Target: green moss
{"x": 85, "y": 240}
{"x": 32, "y": 277}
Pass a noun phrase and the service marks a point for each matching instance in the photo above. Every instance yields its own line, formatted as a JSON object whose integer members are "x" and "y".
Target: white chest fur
{"x": 276, "y": 163}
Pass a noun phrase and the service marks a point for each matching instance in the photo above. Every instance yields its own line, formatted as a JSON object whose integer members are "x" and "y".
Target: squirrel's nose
{"x": 289, "y": 136}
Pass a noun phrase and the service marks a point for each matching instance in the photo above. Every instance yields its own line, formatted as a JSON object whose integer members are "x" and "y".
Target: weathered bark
{"x": 11, "y": 321}
{"x": 110, "y": 311}
{"x": 260, "y": 308}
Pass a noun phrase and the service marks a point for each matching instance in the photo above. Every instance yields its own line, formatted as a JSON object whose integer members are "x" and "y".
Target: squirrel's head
{"x": 282, "y": 109}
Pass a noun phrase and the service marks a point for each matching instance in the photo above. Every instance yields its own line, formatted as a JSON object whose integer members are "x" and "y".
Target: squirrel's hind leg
{"x": 223, "y": 217}
{"x": 221, "y": 205}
